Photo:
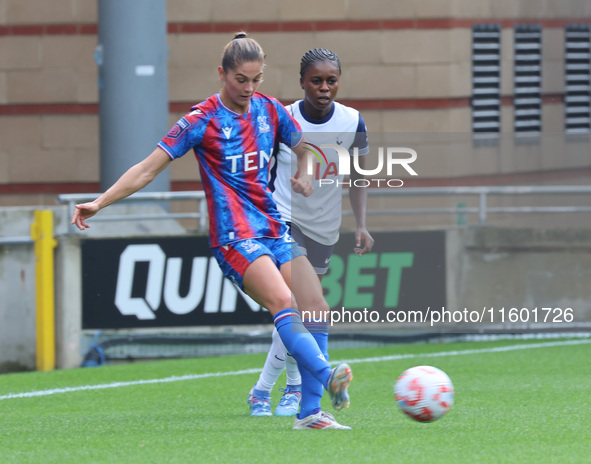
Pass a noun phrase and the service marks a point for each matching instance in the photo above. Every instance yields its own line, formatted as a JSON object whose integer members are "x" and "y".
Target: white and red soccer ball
{"x": 424, "y": 393}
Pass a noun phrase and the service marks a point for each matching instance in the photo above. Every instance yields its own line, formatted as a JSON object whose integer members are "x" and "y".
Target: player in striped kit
{"x": 314, "y": 220}
{"x": 233, "y": 135}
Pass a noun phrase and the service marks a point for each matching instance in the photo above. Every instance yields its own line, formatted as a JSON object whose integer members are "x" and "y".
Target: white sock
{"x": 274, "y": 364}
{"x": 292, "y": 371}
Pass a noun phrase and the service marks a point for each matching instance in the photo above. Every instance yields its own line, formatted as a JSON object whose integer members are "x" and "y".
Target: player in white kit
{"x": 315, "y": 221}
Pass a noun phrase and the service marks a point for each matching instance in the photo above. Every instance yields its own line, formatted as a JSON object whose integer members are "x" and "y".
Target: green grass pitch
{"x": 526, "y": 404}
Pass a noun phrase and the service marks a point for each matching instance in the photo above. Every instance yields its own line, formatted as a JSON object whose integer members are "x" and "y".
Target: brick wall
{"x": 406, "y": 66}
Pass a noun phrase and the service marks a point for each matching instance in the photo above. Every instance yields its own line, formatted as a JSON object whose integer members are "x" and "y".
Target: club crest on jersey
{"x": 263, "y": 125}
{"x": 178, "y": 128}
{"x": 250, "y": 246}
{"x": 227, "y": 131}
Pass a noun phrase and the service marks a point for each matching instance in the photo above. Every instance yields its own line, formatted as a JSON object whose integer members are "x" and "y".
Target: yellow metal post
{"x": 42, "y": 234}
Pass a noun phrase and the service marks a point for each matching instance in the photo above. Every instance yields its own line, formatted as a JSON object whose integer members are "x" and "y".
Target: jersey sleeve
{"x": 289, "y": 130}
{"x": 184, "y": 135}
{"x": 361, "y": 141}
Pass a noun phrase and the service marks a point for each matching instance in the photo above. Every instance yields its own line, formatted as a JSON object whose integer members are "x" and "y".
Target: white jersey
{"x": 319, "y": 215}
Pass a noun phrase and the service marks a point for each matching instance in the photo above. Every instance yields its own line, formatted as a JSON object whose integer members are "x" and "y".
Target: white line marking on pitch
{"x": 395, "y": 357}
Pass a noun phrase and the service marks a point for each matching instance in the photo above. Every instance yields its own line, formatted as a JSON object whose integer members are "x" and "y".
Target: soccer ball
{"x": 424, "y": 393}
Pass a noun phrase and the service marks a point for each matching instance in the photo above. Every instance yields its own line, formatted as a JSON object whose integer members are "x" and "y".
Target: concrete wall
{"x": 17, "y": 280}
{"x": 527, "y": 268}
{"x": 17, "y": 308}
{"x": 17, "y": 290}
{"x": 490, "y": 267}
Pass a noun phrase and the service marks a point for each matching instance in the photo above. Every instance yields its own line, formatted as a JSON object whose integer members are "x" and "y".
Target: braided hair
{"x": 318, "y": 55}
{"x": 241, "y": 49}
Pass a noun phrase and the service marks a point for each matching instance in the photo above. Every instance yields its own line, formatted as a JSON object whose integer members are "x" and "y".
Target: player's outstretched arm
{"x": 136, "y": 178}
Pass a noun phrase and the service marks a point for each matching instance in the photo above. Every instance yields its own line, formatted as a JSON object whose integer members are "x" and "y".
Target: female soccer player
{"x": 233, "y": 134}
{"x": 314, "y": 220}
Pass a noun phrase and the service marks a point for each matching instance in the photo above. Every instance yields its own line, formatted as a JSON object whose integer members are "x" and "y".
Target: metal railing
{"x": 482, "y": 210}
{"x": 72, "y": 199}
{"x": 21, "y": 240}
{"x": 482, "y": 193}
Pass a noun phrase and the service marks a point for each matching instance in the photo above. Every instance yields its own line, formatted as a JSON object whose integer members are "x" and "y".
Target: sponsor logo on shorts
{"x": 250, "y": 246}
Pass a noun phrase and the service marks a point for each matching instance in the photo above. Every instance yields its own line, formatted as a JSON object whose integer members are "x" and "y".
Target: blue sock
{"x": 302, "y": 346}
{"x": 312, "y": 389}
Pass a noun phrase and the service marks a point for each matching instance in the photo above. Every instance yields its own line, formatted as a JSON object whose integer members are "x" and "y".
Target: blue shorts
{"x": 318, "y": 254}
{"x": 235, "y": 257}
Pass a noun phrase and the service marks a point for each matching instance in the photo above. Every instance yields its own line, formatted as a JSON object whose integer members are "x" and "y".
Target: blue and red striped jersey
{"x": 234, "y": 151}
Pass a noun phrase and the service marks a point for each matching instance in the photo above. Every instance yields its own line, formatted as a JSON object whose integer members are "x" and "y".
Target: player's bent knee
{"x": 276, "y": 303}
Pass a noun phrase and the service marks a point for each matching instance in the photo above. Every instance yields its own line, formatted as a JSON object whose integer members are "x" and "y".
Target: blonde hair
{"x": 241, "y": 49}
